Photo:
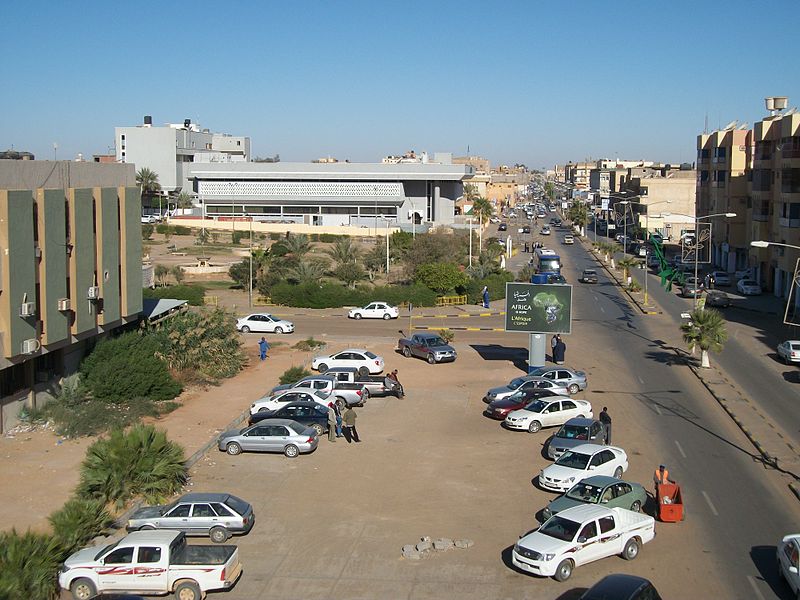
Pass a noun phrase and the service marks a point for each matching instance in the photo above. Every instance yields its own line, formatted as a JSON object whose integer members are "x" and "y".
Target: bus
{"x": 547, "y": 261}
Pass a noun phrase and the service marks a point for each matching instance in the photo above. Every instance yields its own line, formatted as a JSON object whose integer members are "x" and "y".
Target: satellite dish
{"x": 730, "y": 125}
{"x": 791, "y": 111}
{"x": 743, "y": 126}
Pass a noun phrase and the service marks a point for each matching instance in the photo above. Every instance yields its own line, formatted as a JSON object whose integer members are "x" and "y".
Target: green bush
{"x": 236, "y": 237}
{"x": 496, "y": 284}
{"x": 329, "y": 237}
{"x": 79, "y": 521}
{"x": 418, "y": 295}
{"x": 309, "y": 344}
{"x": 330, "y": 295}
{"x": 193, "y": 294}
{"x": 163, "y": 228}
{"x": 147, "y": 231}
{"x": 442, "y": 277}
{"x": 293, "y": 374}
{"x": 448, "y": 335}
{"x": 139, "y": 462}
{"x": 123, "y": 368}
{"x": 29, "y": 564}
{"x": 181, "y": 230}
{"x": 91, "y": 416}
{"x": 274, "y": 236}
{"x": 314, "y": 237}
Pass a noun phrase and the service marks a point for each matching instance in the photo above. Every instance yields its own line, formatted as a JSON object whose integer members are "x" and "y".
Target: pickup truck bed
{"x": 202, "y": 555}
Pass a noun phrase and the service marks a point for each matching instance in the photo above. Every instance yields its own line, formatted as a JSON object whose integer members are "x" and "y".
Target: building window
{"x": 790, "y": 181}
{"x": 703, "y": 176}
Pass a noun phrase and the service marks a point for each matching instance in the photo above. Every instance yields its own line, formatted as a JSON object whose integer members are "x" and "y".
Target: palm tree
{"x": 706, "y": 330}
{"x": 470, "y": 192}
{"x": 297, "y": 245}
{"x": 344, "y": 251}
{"x": 549, "y": 191}
{"x": 627, "y": 264}
{"x": 147, "y": 180}
{"x": 579, "y": 215}
{"x": 178, "y": 274}
{"x": 307, "y": 271}
{"x": 482, "y": 208}
{"x": 184, "y": 200}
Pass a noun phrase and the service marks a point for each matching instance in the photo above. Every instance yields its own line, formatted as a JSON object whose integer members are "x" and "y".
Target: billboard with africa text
{"x": 538, "y": 307}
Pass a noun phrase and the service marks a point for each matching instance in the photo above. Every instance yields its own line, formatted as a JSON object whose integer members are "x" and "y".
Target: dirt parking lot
{"x": 332, "y": 524}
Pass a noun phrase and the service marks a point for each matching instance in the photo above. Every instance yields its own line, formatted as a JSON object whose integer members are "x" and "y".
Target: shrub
{"x": 79, "y": 521}
{"x": 314, "y": 237}
{"x": 236, "y": 237}
{"x": 165, "y": 229}
{"x": 193, "y": 294}
{"x": 293, "y": 374}
{"x": 328, "y": 295}
{"x": 634, "y": 286}
{"x": 29, "y": 563}
{"x": 442, "y": 277}
{"x": 240, "y": 273}
{"x": 309, "y": 344}
{"x": 147, "y": 231}
{"x": 274, "y": 236}
{"x": 447, "y": 335}
{"x": 181, "y": 230}
{"x": 123, "y": 368}
{"x": 496, "y": 284}
{"x": 139, "y": 462}
{"x": 91, "y": 417}
{"x": 329, "y": 237}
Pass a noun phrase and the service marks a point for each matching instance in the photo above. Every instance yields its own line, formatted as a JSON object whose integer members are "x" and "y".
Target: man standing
{"x": 485, "y": 295}
{"x": 661, "y": 476}
{"x": 263, "y": 346}
{"x": 553, "y": 342}
{"x": 559, "y": 351}
{"x": 349, "y": 417}
{"x": 331, "y": 423}
{"x": 605, "y": 419}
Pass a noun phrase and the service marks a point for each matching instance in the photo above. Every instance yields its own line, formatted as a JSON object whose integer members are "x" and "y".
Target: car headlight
{"x": 569, "y": 480}
{"x": 549, "y": 556}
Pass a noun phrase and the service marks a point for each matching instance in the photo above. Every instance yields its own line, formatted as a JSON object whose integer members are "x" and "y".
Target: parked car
{"x": 149, "y": 219}
{"x": 787, "y": 555}
{"x": 574, "y": 433}
{"x": 589, "y": 276}
{"x": 581, "y": 462}
{"x": 279, "y": 435}
{"x": 581, "y": 535}
{"x": 575, "y": 381}
{"x": 218, "y": 516}
{"x": 717, "y": 299}
{"x": 545, "y": 230}
{"x": 375, "y": 310}
{"x": 789, "y": 351}
{"x": 494, "y": 219}
{"x": 621, "y": 587}
{"x": 499, "y": 409}
{"x": 749, "y": 287}
{"x": 429, "y": 346}
{"x": 569, "y": 239}
{"x": 374, "y": 385}
{"x": 547, "y": 411}
{"x": 691, "y": 287}
{"x": 365, "y": 361}
{"x": 524, "y": 383}
{"x": 502, "y": 227}
{"x": 557, "y": 279}
{"x": 526, "y": 229}
{"x": 152, "y": 562}
{"x": 744, "y": 274}
{"x": 599, "y": 489}
{"x": 264, "y": 323}
{"x": 653, "y": 261}
{"x": 722, "y": 278}
{"x": 284, "y": 397}
{"x": 308, "y": 414}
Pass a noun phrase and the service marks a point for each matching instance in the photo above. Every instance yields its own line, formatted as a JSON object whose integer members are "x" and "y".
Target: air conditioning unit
{"x": 27, "y": 309}
{"x": 30, "y": 346}
{"x": 93, "y": 293}
{"x": 37, "y": 252}
{"x": 64, "y": 304}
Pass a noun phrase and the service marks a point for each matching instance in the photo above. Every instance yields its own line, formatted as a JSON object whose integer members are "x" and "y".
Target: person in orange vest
{"x": 661, "y": 475}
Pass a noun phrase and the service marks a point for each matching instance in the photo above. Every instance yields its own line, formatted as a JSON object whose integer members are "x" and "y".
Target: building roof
{"x": 154, "y": 309}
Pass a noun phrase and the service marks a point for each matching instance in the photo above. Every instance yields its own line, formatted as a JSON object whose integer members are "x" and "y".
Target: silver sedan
{"x": 523, "y": 384}
{"x": 573, "y": 380}
{"x": 278, "y": 435}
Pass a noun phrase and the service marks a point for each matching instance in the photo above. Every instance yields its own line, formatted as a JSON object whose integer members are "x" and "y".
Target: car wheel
{"x": 573, "y": 388}
{"x": 146, "y": 528}
{"x": 580, "y": 417}
{"x": 386, "y": 316}
{"x": 218, "y": 535}
{"x": 563, "y": 570}
{"x": 407, "y": 352}
{"x": 363, "y": 371}
{"x": 322, "y": 367}
{"x": 279, "y": 330}
{"x": 636, "y": 506}
{"x": 357, "y": 316}
{"x": 631, "y": 549}
{"x": 431, "y": 359}
{"x": 83, "y": 589}
{"x": 233, "y": 449}
{"x": 318, "y": 428}
{"x": 291, "y": 451}
{"x": 245, "y": 329}
{"x": 188, "y": 590}
{"x": 618, "y": 472}
{"x": 534, "y": 427}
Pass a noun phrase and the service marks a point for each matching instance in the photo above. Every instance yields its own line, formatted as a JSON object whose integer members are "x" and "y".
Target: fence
{"x": 451, "y": 300}
{"x": 211, "y": 300}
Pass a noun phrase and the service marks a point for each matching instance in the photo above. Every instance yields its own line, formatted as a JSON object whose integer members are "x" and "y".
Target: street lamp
{"x": 250, "y": 281}
{"x": 471, "y": 220}
{"x": 385, "y": 218}
{"x": 647, "y": 231}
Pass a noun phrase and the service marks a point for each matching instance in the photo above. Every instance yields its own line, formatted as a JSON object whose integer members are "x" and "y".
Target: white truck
{"x": 581, "y": 535}
{"x": 788, "y": 555}
{"x": 151, "y": 562}
{"x": 342, "y": 392}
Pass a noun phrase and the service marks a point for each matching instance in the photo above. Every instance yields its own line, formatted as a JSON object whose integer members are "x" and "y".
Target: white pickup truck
{"x": 151, "y": 562}
{"x": 581, "y": 535}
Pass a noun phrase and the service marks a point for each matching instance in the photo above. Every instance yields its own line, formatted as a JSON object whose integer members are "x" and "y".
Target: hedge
{"x": 330, "y": 295}
{"x": 496, "y": 284}
{"x": 193, "y": 294}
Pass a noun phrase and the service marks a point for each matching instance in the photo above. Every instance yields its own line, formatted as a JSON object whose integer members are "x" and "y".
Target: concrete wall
{"x": 107, "y": 218}
{"x": 63, "y": 174}
{"x": 151, "y": 147}
{"x": 242, "y": 224}
{"x": 52, "y": 215}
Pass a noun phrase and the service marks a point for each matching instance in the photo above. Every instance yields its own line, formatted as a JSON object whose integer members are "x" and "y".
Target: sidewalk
{"x": 768, "y": 438}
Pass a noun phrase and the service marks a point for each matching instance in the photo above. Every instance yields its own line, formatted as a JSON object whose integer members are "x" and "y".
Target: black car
{"x": 557, "y": 222}
{"x": 309, "y": 414}
{"x": 589, "y": 276}
{"x": 502, "y": 227}
{"x": 526, "y": 229}
{"x": 621, "y": 587}
{"x": 718, "y": 299}
{"x": 557, "y": 279}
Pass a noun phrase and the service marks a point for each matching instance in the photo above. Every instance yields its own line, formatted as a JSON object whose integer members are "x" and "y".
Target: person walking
{"x": 263, "y": 346}
{"x": 559, "y": 351}
{"x": 660, "y": 476}
{"x": 485, "y": 294}
{"x": 331, "y": 423}
{"x": 338, "y": 420}
{"x": 605, "y": 419}
{"x": 349, "y": 417}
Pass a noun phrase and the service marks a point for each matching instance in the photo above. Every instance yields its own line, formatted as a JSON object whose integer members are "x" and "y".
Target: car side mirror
{"x": 592, "y": 467}
{"x": 604, "y": 501}
{"x": 581, "y": 540}
{"x": 793, "y": 570}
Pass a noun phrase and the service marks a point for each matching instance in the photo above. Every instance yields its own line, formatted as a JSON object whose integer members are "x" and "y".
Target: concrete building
{"x": 170, "y": 150}
{"x": 70, "y": 270}
{"x": 663, "y": 189}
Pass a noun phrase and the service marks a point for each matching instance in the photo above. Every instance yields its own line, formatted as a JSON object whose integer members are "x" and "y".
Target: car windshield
{"x": 296, "y": 427}
{"x": 237, "y": 504}
{"x": 590, "y": 272}
{"x": 537, "y": 406}
{"x": 749, "y": 282}
{"x": 573, "y": 432}
{"x": 560, "y": 528}
{"x": 436, "y": 341}
{"x": 515, "y": 383}
{"x": 585, "y": 492}
{"x": 574, "y": 460}
{"x": 371, "y": 355}
{"x": 106, "y": 549}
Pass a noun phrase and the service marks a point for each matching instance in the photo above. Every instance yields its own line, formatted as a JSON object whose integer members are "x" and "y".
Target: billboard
{"x": 538, "y": 307}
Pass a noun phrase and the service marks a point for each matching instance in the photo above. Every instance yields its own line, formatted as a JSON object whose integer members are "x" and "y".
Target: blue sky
{"x": 530, "y": 82}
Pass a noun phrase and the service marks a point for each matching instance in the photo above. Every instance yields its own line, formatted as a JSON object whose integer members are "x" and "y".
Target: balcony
{"x": 792, "y": 152}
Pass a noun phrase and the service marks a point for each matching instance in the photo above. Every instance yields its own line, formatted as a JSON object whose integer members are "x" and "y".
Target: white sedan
{"x": 264, "y": 323}
{"x": 789, "y": 351}
{"x": 375, "y": 310}
{"x": 282, "y": 398}
{"x": 586, "y": 460}
{"x": 569, "y": 239}
{"x": 548, "y": 412}
{"x": 749, "y": 287}
{"x": 721, "y": 278}
{"x": 365, "y": 361}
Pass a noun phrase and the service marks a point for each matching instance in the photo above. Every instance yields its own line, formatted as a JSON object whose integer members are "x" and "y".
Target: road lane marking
{"x": 755, "y": 587}
{"x": 640, "y": 380}
{"x": 683, "y": 454}
{"x": 602, "y": 309}
{"x": 710, "y": 504}
{"x": 657, "y": 409}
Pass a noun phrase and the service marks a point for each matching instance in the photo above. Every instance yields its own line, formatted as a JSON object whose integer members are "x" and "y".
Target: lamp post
{"x": 647, "y": 232}
{"x": 250, "y": 280}
{"x": 470, "y": 219}
{"x": 387, "y": 247}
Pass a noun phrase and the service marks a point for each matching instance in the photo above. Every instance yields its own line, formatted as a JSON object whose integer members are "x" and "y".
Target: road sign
{"x": 603, "y": 203}
{"x": 538, "y": 308}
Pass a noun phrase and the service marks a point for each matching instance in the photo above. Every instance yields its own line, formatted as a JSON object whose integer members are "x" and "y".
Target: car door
{"x": 150, "y": 570}
{"x": 343, "y": 359}
{"x": 569, "y": 410}
{"x": 177, "y": 518}
{"x": 202, "y": 519}
{"x": 257, "y": 439}
{"x": 269, "y": 323}
{"x": 304, "y": 397}
{"x": 370, "y": 311}
{"x": 357, "y": 360}
{"x": 551, "y": 414}
{"x": 279, "y": 437}
{"x": 256, "y": 323}
{"x": 622, "y": 495}
{"x": 227, "y": 517}
{"x": 589, "y": 546}
{"x": 605, "y": 463}
{"x": 116, "y": 573}
{"x": 788, "y": 556}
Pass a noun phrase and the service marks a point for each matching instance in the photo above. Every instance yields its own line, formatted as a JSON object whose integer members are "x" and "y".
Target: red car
{"x": 498, "y": 409}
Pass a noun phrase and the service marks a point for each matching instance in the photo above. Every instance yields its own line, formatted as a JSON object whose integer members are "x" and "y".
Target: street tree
{"x": 178, "y": 274}
{"x": 344, "y": 251}
{"x": 442, "y": 277}
{"x": 627, "y": 264}
{"x": 160, "y": 271}
{"x": 705, "y": 330}
{"x": 578, "y": 213}
{"x": 375, "y": 260}
{"x": 240, "y": 273}
{"x": 147, "y": 180}
{"x": 308, "y": 271}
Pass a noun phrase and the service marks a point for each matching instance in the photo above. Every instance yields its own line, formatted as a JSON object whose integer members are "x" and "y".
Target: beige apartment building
{"x": 667, "y": 195}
